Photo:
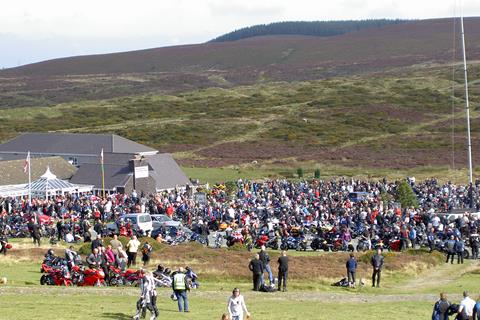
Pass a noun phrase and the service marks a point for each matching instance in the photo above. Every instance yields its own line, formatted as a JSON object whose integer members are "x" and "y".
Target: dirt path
{"x": 444, "y": 274}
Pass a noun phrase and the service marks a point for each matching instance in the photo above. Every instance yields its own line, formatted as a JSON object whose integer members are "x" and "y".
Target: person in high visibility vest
{"x": 180, "y": 288}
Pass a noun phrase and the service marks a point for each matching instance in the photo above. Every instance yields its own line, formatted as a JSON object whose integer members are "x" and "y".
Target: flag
{"x": 27, "y": 162}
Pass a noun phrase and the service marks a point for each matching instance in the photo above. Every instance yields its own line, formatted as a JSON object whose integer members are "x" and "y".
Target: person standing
{"x": 132, "y": 248}
{"x": 3, "y": 241}
{"x": 450, "y": 247}
{"x": 465, "y": 311}
{"x": 148, "y": 297}
{"x": 476, "y": 310}
{"x": 34, "y": 231}
{"x": 431, "y": 239}
{"x": 440, "y": 309}
{"x": 180, "y": 288}
{"x": 351, "y": 270}
{"x": 459, "y": 249}
{"x": 146, "y": 253}
{"x": 377, "y": 264}
{"x": 474, "y": 243}
{"x": 282, "y": 271}
{"x": 236, "y": 306}
{"x": 256, "y": 267}
{"x": 116, "y": 244}
{"x": 265, "y": 258}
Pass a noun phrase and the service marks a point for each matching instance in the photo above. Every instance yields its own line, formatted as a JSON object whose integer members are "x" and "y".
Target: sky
{"x": 37, "y": 30}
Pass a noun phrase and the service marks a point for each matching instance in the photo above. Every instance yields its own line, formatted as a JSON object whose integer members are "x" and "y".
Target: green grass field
{"x": 407, "y": 294}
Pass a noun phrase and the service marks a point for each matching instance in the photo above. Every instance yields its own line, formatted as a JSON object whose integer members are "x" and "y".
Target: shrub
{"x": 317, "y": 174}
{"x": 230, "y": 187}
{"x": 300, "y": 172}
{"x": 406, "y": 196}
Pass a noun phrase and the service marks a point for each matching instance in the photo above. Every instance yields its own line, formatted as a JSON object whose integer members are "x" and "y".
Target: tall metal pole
{"x": 29, "y": 181}
{"x": 467, "y": 107}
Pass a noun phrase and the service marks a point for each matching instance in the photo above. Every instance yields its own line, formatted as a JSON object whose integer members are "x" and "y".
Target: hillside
{"x": 306, "y": 28}
{"x": 228, "y": 64}
{"x": 366, "y": 100}
{"x": 401, "y": 44}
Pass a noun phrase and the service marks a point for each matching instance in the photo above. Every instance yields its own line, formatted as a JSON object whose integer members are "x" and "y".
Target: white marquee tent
{"x": 47, "y": 185}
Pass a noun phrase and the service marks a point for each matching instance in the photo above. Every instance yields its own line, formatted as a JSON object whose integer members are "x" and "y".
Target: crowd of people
{"x": 273, "y": 208}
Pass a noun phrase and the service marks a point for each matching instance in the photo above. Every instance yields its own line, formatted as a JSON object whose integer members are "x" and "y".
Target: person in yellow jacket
{"x": 180, "y": 288}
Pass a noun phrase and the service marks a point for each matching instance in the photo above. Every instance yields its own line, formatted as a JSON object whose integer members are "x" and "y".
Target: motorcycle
{"x": 294, "y": 243}
{"x": 163, "y": 280}
{"x": 115, "y": 276}
{"x": 319, "y": 244}
{"x": 199, "y": 238}
{"x": 49, "y": 264}
{"x": 132, "y": 277}
{"x": 362, "y": 245}
{"x": 236, "y": 237}
{"x": 218, "y": 240}
{"x": 57, "y": 277}
{"x": 89, "y": 277}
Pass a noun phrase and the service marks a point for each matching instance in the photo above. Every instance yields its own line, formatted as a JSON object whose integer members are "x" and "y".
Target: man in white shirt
{"x": 465, "y": 311}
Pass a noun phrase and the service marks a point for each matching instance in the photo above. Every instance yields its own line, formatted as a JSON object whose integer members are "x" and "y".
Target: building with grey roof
{"x": 128, "y": 165}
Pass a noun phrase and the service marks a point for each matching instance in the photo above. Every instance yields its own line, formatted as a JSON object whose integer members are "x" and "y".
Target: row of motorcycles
{"x": 58, "y": 271}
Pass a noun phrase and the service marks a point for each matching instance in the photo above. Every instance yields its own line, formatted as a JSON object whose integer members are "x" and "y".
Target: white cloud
{"x": 127, "y": 25}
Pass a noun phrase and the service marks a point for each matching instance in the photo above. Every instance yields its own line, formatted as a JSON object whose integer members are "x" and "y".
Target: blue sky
{"x": 34, "y": 30}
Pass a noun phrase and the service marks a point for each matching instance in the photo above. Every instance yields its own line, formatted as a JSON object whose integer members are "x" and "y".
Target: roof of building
{"x": 111, "y": 158}
{"x": 50, "y": 182}
{"x": 162, "y": 168}
{"x": 72, "y": 143}
{"x": 11, "y": 172}
{"x": 166, "y": 171}
{"x": 91, "y": 173}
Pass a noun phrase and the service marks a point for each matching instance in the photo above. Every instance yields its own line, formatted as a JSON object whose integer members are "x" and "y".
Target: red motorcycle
{"x": 57, "y": 277}
{"x": 88, "y": 277}
{"x": 129, "y": 277}
{"x": 50, "y": 264}
{"x": 115, "y": 276}
{"x": 132, "y": 277}
{"x": 261, "y": 241}
{"x": 234, "y": 238}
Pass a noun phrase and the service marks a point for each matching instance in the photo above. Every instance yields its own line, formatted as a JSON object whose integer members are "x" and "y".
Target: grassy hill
{"x": 373, "y": 100}
{"x": 308, "y": 28}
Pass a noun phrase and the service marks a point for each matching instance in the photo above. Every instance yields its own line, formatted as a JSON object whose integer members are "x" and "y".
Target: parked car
{"x": 171, "y": 232}
{"x": 141, "y": 222}
{"x": 159, "y": 220}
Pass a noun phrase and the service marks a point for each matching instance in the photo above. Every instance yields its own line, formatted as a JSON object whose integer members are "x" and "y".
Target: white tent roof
{"x": 49, "y": 182}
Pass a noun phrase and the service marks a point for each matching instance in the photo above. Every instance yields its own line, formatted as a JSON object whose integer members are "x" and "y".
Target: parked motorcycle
{"x": 363, "y": 244}
{"x": 88, "y": 277}
{"x": 57, "y": 277}
{"x": 319, "y": 244}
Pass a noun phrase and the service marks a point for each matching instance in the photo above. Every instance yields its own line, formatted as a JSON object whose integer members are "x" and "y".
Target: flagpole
{"x": 103, "y": 176}
{"x": 29, "y": 181}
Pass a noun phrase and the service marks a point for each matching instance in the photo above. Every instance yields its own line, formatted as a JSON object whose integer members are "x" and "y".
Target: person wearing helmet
{"x": 50, "y": 255}
{"x": 148, "y": 296}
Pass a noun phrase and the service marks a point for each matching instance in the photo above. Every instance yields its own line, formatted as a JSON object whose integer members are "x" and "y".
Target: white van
{"x": 139, "y": 221}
